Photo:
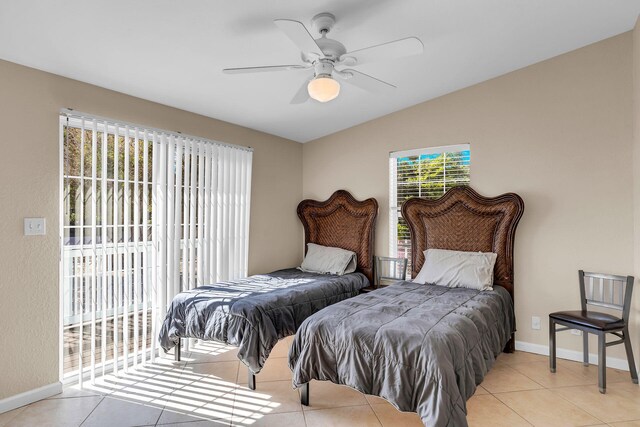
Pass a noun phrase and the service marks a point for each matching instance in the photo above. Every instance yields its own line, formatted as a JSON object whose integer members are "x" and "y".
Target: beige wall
{"x": 635, "y": 334}
{"x": 559, "y": 133}
{"x": 30, "y": 102}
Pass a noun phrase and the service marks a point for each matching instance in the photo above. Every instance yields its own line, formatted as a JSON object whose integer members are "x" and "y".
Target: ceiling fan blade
{"x": 396, "y": 49}
{"x": 299, "y": 35}
{"x": 365, "y": 81}
{"x": 244, "y": 70}
{"x": 302, "y": 95}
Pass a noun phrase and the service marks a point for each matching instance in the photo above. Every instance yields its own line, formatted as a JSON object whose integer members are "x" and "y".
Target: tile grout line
{"x": 594, "y": 381}
{"x": 567, "y": 400}
{"x": 19, "y": 409}
{"x": 507, "y": 406}
{"x": 237, "y": 382}
{"x": 543, "y": 388}
{"x": 333, "y": 407}
{"x": 511, "y": 409}
{"x": 542, "y": 385}
{"x": 528, "y": 377}
{"x": 184, "y": 365}
{"x": 191, "y": 382}
{"x": 92, "y": 411}
{"x": 374, "y": 412}
{"x": 71, "y": 397}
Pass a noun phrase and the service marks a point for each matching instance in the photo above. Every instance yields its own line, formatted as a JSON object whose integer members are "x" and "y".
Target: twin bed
{"x": 422, "y": 347}
{"x": 254, "y": 313}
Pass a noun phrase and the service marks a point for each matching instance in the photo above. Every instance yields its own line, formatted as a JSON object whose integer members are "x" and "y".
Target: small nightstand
{"x": 387, "y": 270}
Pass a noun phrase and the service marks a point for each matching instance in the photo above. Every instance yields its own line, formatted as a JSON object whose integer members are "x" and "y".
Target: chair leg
{"x": 585, "y": 348}
{"x": 630, "y": 359}
{"x": 602, "y": 362}
{"x": 552, "y": 345}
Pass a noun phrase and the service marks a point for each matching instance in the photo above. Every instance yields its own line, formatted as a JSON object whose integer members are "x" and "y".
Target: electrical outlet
{"x": 535, "y": 322}
{"x": 576, "y": 332}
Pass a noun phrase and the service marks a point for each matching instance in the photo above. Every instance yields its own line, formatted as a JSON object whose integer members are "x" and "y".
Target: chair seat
{"x": 590, "y": 319}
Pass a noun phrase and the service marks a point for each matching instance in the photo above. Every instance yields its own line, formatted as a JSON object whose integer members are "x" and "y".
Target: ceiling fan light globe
{"x": 323, "y": 89}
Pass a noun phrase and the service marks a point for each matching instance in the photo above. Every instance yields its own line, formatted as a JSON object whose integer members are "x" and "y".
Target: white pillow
{"x": 328, "y": 260}
{"x": 457, "y": 269}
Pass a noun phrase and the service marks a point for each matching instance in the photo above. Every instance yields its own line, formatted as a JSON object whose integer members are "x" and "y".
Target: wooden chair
{"x": 603, "y": 290}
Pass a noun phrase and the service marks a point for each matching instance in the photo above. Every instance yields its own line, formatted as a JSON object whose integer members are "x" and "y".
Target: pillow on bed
{"x": 328, "y": 260}
{"x": 457, "y": 269}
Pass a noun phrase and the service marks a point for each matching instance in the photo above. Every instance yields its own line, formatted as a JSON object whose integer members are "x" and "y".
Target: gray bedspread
{"x": 423, "y": 348}
{"x": 254, "y": 313}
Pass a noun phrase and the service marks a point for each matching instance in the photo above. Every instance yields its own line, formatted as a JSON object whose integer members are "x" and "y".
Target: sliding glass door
{"x": 145, "y": 214}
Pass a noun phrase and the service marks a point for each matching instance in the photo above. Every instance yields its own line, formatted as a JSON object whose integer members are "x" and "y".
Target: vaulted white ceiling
{"x": 172, "y": 52}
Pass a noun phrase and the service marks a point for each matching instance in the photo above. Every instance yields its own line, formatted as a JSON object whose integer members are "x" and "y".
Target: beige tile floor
{"x": 209, "y": 388}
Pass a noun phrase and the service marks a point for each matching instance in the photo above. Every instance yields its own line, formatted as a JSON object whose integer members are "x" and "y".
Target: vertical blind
{"x": 426, "y": 173}
{"x": 145, "y": 214}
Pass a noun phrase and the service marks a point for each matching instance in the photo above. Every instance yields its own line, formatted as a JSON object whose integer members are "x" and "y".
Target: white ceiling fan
{"x": 324, "y": 55}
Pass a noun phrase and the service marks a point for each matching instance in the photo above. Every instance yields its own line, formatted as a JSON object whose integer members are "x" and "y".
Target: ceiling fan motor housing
{"x": 331, "y": 49}
{"x": 323, "y": 68}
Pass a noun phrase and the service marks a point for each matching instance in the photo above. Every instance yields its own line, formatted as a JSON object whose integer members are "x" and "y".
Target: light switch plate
{"x": 35, "y": 227}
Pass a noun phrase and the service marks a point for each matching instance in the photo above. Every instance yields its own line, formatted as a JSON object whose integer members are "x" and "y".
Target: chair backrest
{"x": 606, "y": 290}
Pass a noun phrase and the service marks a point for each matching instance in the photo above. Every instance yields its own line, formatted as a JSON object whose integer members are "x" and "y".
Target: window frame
{"x": 395, "y": 208}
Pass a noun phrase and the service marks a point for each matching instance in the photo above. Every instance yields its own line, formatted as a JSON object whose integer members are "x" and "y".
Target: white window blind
{"x": 145, "y": 214}
{"x": 426, "y": 173}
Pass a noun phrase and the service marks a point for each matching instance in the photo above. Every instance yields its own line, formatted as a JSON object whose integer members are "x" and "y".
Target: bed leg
{"x": 252, "y": 380}
{"x": 177, "y": 350}
{"x": 511, "y": 344}
{"x": 304, "y": 395}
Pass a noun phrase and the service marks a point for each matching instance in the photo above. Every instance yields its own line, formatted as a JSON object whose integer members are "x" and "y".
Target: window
{"x": 145, "y": 214}
{"x": 426, "y": 173}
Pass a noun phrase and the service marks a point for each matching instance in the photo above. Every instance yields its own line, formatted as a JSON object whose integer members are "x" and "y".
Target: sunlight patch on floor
{"x": 176, "y": 387}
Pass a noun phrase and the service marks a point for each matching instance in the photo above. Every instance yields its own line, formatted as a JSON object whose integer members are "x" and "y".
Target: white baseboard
{"x": 30, "y": 396}
{"x": 563, "y": 353}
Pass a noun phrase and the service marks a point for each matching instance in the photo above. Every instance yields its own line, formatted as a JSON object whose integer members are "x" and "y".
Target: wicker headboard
{"x": 343, "y": 222}
{"x": 463, "y": 220}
